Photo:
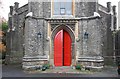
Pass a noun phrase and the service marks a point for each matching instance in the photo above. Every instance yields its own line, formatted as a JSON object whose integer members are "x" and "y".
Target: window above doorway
{"x": 62, "y": 7}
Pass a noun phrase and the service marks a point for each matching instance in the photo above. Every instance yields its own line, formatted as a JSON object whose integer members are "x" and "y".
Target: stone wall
{"x": 89, "y": 47}
{"x": 34, "y": 43}
{"x": 30, "y": 40}
{"x": 117, "y": 46}
{"x": 40, "y": 9}
{"x": 107, "y": 32}
{"x": 15, "y": 35}
{"x": 85, "y": 9}
{"x": 34, "y": 37}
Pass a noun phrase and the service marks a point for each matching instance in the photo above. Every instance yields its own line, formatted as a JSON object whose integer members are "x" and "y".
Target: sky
{"x": 6, "y": 3}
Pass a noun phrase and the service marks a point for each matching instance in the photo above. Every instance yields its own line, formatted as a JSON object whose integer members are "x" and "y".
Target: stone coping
{"x": 32, "y": 57}
{"x": 27, "y": 60}
{"x": 72, "y": 18}
{"x": 65, "y": 18}
{"x": 91, "y": 59}
{"x": 94, "y": 57}
{"x": 35, "y": 58}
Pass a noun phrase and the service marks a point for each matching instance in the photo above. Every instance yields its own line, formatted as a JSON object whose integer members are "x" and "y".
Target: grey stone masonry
{"x": 36, "y": 53}
{"x": 117, "y": 46}
{"x": 15, "y": 34}
{"x": 90, "y": 52}
{"x": 85, "y": 9}
{"x": 32, "y": 28}
{"x": 34, "y": 43}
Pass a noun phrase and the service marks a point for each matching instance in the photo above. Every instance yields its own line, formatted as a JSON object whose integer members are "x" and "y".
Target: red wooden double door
{"x": 62, "y": 49}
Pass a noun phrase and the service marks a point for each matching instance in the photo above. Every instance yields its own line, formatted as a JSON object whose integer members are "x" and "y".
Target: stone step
{"x": 63, "y": 67}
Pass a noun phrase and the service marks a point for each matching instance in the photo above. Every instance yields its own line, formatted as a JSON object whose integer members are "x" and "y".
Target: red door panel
{"x": 67, "y": 48}
{"x": 58, "y": 49}
{"x": 62, "y": 49}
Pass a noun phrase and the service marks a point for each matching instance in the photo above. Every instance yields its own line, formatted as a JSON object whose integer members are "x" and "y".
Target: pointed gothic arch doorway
{"x": 62, "y": 49}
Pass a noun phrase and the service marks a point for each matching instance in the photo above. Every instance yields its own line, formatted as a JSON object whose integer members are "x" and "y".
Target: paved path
{"x": 16, "y": 71}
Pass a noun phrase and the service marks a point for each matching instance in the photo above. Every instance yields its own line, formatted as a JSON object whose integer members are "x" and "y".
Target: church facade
{"x": 64, "y": 33}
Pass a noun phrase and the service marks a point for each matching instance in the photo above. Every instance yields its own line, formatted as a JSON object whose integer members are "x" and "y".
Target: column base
{"x": 91, "y": 62}
{"x": 33, "y": 63}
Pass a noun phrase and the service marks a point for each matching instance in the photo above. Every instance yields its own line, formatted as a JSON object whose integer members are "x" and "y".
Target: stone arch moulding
{"x": 72, "y": 35}
{"x": 66, "y": 28}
